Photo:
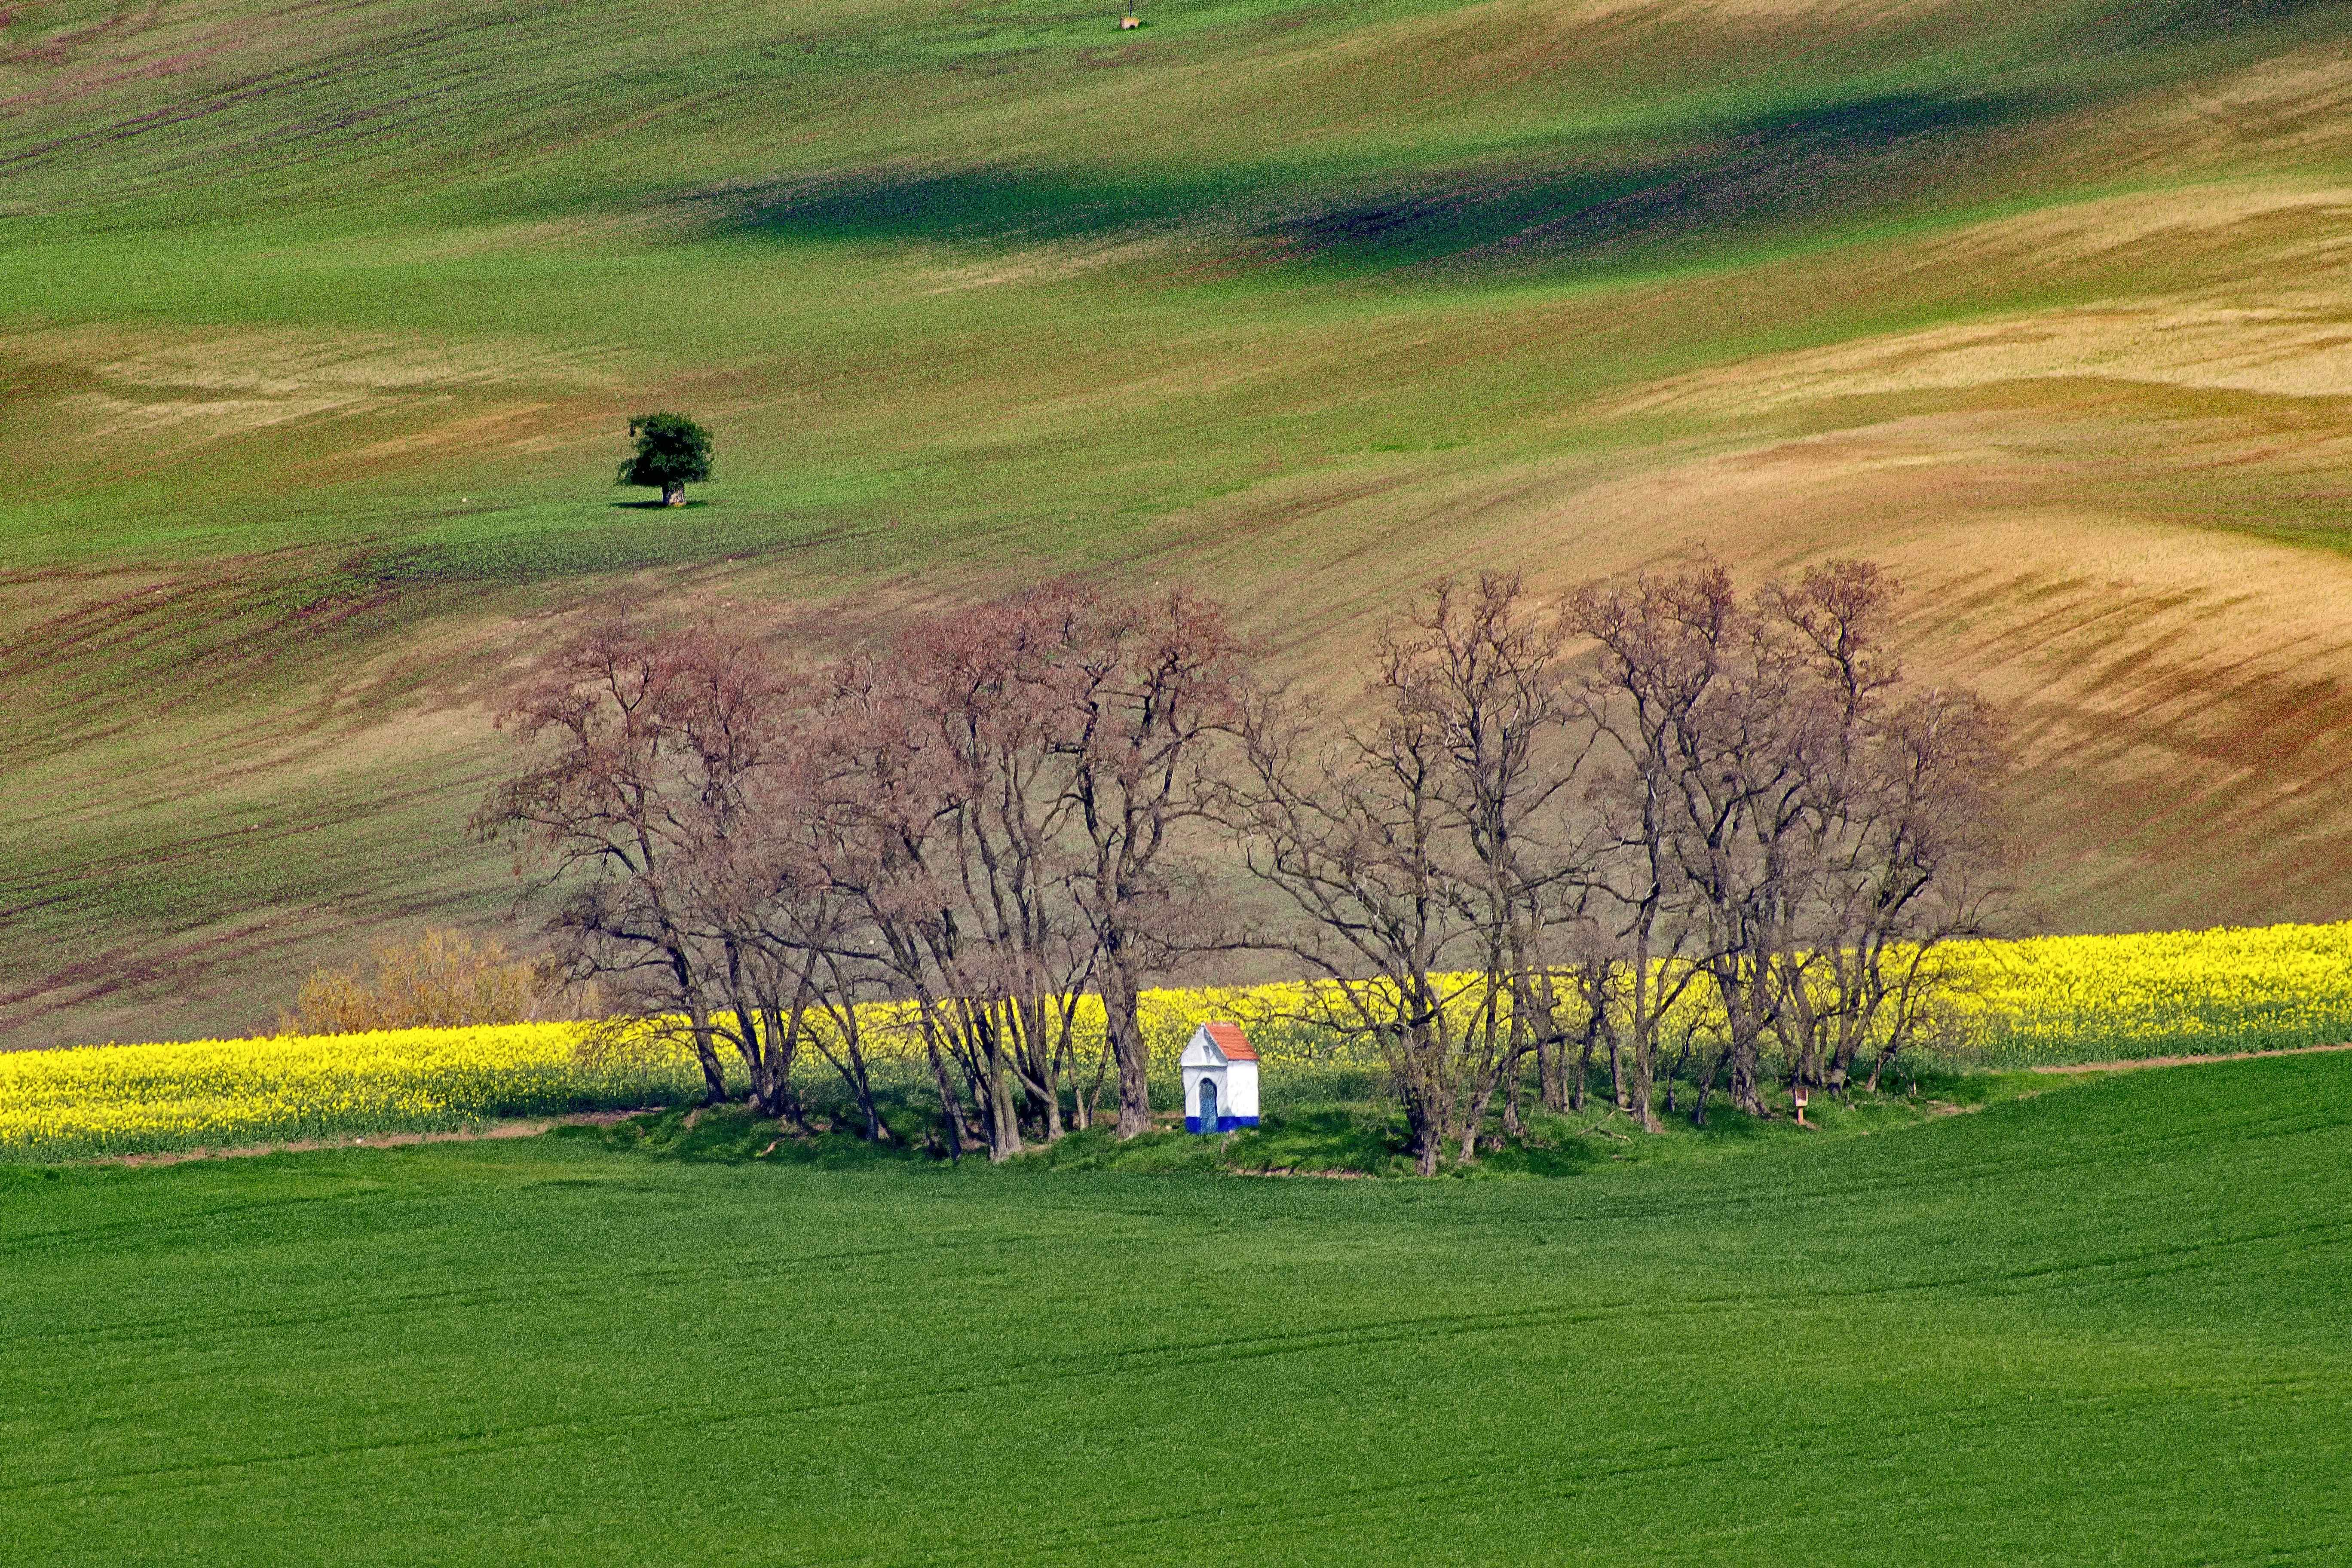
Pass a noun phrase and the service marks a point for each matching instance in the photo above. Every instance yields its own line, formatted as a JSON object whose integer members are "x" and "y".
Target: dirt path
{"x": 2193, "y": 1061}
{"x": 514, "y": 1127}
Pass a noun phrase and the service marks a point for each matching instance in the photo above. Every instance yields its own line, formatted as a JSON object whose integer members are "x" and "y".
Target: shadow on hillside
{"x": 1574, "y": 198}
{"x": 978, "y": 205}
{"x": 1845, "y": 156}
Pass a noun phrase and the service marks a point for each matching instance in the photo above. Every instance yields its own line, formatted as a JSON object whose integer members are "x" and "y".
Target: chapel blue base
{"x": 1222, "y": 1124}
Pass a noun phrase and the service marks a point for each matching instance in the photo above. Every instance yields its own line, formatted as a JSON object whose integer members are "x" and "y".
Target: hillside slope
{"x": 317, "y": 323}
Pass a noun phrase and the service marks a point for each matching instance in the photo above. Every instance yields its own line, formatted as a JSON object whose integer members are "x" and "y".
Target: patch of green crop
{"x": 2096, "y": 1326}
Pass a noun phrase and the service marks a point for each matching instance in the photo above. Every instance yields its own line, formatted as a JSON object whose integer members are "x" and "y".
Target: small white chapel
{"x": 1219, "y": 1069}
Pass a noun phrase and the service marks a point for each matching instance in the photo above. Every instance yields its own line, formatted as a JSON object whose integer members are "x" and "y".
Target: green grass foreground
{"x": 2103, "y": 1324}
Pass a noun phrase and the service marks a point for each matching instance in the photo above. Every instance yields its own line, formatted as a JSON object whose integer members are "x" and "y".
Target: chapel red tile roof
{"x": 1232, "y": 1041}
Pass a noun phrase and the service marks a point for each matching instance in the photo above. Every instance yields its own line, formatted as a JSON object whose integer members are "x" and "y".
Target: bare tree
{"x": 678, "y": 816}
{"x": 1485, "y": 666}
{"x": 1896, "y": 836}
{"x": 1520, "y": 856}
{"x": 640, "y": 742}
{"x": 789, "y": 946}
{"x": 1423, "y": 851}
{"x": 1796, "y": 834}
{"x": 1349, "y": 832}
{"x": 1159, "y": 681}
{"x": 1923, "y": 862}
{"x": 1663, "y": 643}
{"x": 728, "y": 711}
{"x": 1026, "y": 765}
{"x": 958, "y": 854}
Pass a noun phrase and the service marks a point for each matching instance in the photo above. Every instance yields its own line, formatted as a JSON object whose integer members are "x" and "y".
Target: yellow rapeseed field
{"x": 2048, "y": 1000}
{"x": 114, "y": 1098}
{"x": 2053, "y": 1000}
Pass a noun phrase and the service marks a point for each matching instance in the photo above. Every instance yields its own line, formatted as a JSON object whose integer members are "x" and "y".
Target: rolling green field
{"x": 319, "y": 327}
{"x": 2101, "y": 1325}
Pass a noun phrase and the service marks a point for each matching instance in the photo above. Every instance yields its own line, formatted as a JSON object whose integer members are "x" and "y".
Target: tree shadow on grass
{"x": 653, "y": 506}
{"x": 736, "y": 1134}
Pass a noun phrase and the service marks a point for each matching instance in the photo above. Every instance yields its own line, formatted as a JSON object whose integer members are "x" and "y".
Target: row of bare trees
{"x": 1556, "y": 821}
{"x": 979, "y": 824}
{"x": 1539, "y": 828}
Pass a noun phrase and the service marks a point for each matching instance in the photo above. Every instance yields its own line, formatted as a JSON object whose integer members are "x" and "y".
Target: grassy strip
{"x": 1312, "y": 1137}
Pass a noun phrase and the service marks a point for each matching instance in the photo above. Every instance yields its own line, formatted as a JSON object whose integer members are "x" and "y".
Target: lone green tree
{"x": 672, "y": 452}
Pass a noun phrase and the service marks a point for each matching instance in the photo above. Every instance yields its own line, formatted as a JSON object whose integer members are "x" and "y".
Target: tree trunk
{"x": 673, "y": 495}
{"x": 849, "y": 1063}
{"x": 771, "y": 1061}
{"x": 714, "y": 1071}
{"x": 1421, "y": 1122}
{"x": 1705, "y": 1086}
{"x": 1003, "y": 1120}
{"x": 1090, "y": 1095}
{"x": 772, "y": 1090}
{"x": 861, "y": 1090}
{"x": 1474, "y": 1122}
{"x": 1745, "y": 1091}
{"x": 1743, "y": 1016}
{"x": 1551, "y": 1079}
{"x": 1878, "y": 1068}
{"x": 1635, "y": 1087}
{"x": 950, "y": 1102}
{"x": 875, "y": 1132}
{"x": 1122, "y": 1020}
{"x": 1034, "y": 1063}
{"x": 1636, "y": 1095}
